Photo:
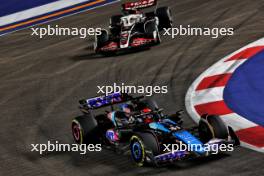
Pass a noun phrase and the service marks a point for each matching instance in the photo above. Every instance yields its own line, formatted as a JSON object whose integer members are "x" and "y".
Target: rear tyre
{"x": 140, "y": 143}
{"x": 165, "y": 17}
{"x": 115, "y": 25}
{"x": 84, "y": 130}
{"x": 115, "y": 20}
{"x": 150, "y": 15}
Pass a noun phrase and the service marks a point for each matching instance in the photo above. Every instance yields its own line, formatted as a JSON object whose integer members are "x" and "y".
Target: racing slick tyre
{"x": 212, "y": 127}
{"x": 84, "y": 130}
{"x": 165, "y": 17}
{"x": 219, "y": 127}
{"x": 102, "y": 39}
{"x": 151, "y": 30}
{"x": 150, "y": 15}
{"x": 150, "y": 27}
{"x": 115, "y": 25}
{"x": 115, "y": 20}
{"x": 140, "y": 143}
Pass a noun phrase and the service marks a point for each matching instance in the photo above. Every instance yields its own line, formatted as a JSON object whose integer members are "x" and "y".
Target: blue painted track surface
{"x": 244, "y": 93}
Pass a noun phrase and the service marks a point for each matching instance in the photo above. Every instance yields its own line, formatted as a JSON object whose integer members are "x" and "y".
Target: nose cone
{"x": 193, "y": 143}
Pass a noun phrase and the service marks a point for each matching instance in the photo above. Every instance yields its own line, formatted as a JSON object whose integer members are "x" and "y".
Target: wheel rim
{"x": 137, "y": 151}
{"x": 76, "y": 132}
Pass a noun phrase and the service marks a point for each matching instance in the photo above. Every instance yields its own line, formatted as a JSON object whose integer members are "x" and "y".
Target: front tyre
{"x": 101, "y": 40}
{"x": 219, "y": 127}
{"x": 212, "y": 127}
{"x": 137, "y": 150}
{"x": 140, "y": 143}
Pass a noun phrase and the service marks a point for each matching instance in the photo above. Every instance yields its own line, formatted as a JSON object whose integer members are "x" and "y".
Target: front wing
{"x": 173, "y": 156}
{"x": 138, "y": 42}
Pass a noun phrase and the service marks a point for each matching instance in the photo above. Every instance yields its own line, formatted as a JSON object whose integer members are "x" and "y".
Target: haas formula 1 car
{"x": 133, "y": 29}
{"x": 151, "y": 137}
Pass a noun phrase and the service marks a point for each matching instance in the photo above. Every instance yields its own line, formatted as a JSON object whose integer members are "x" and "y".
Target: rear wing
{"x": 139, "y": 4}
{"x": 106, "y": 100}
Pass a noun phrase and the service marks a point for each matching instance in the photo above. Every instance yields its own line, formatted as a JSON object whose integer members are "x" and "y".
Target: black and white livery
{"x": 133, "y": 28}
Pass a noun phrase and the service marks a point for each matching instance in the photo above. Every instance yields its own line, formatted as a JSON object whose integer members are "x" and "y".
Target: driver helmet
{"x": 127, "y": 108}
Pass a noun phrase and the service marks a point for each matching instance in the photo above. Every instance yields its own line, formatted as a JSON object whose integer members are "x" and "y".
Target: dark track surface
{"x": 42, "y": 81}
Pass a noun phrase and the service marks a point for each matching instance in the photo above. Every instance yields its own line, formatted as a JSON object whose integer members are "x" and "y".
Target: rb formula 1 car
{"x": 133, "y": 29}
{"x": 151, "y": 132}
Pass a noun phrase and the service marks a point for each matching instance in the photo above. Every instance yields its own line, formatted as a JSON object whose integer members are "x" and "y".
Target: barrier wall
{"x": 17, "y": 14}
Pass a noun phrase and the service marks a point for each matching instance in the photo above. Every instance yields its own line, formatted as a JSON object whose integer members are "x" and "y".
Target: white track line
{"x": 194, "y": 97}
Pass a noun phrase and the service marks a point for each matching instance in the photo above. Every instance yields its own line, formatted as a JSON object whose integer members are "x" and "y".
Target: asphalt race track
{"x": 43, "y": 79}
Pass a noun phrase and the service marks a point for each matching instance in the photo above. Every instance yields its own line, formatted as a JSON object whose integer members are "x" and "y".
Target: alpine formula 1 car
{"x": 152, "y": 137}
{"x": 133, "y": 29}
